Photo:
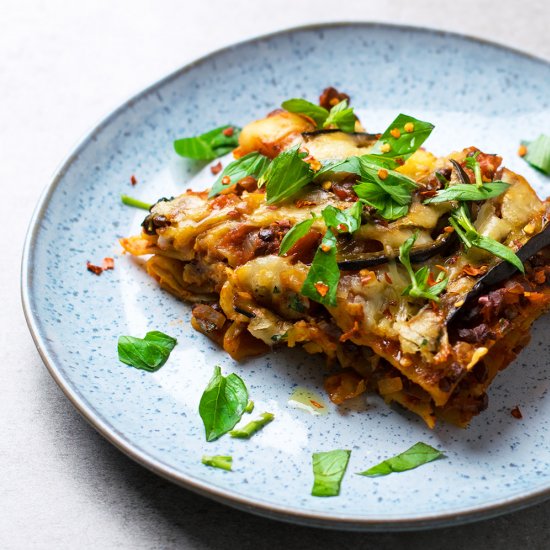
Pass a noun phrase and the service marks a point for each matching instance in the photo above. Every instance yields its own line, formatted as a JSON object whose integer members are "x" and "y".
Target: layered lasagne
{"x": 376, "y": 253}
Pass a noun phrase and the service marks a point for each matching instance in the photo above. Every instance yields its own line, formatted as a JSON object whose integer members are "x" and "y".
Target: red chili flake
{"x": 431, "y": 281}
{"x": 522, "y": 151}
{"x": 475, "y": 271}
{"x": 108, "y": 263}
{"x": 321, "y": 288}
{"x": 94, "y": 268}
{"x": 226, "y": 180}
{"x": 516, "y": 413}
{"x": 388, "y": 278}
{"x": 133, "y": 179}
{"x": 216, "y": 169}
{"x": 272, "y": 207}
{"x": 228, "y": 132}
{"x": 316, "y": 404}
{"x": 300, "y": 203}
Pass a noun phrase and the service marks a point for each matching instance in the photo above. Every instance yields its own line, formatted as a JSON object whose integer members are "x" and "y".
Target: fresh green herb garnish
{"x": 401, "y": 139}
{"x": 460, "y": 220}
{"x": 341, "y": 115}
{"x": 252, "y": 427}
{"x": 538, "y": 153}
{"x": 473, "y": 164}
{"x": 388, "y": 191}
{"x": 344, "y": 221}
{"x": 222, "y": 404}
{"x": 469, "y": 192}
{"x": 252, "y": 164}
{"x": 210, "y": 145}
{"x": 420, "y": 287}
{"x": 286, "y": 175}
{"x": 148, "y": 353}
{"x": 130, "y": 201}
{"x": 351, "y": 165}
{"x": 218, "y": 461}
{"x": 328, "y": 470}
{"x": 303, "y": 107}
{"x": 322, "y": 279}
{"x": 298, "y": 231}
{"x": 249, "y": 407}
{"x": 418, "y": 454}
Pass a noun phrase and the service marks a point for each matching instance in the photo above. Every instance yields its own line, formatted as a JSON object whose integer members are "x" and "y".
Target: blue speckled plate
{"x": 475, "y": 93}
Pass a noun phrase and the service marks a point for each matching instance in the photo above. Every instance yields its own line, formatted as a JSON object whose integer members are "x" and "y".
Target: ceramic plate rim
{"x": 131, "y": 449}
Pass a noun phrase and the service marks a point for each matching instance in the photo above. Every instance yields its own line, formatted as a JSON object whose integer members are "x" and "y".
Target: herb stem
{"x": 130, "y": 201}
{"x": 252, "y": 427}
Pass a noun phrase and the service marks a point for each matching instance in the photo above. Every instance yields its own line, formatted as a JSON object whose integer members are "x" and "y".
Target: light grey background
{"x": 63, "y": 65}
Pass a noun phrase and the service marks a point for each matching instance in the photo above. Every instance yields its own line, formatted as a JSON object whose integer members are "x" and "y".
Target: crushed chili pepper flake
{"x": 388, "y": 278}
{"x": 327, "y": 185}
{"x": 300, "y": 203}
{"x": 395, "y": 132}
{"x": 334, "y": 101}
{"x": 216, "y": 168}
{"x": 94, "y": 268}
{"x": 108, "y": 263}
{"x": 442, "y": 268}
{"x": 382, "y": 173}
{"x": 228, "y": 131}
{"x": 448, "y": 229}
{"x": 516, "y": 413}
{"x": 321, "y": 288}
{"x": 342, "y": 227}
{"x": 325, "y": 247}
{"x": 409, "y": 127}
{"x": 475, "y": 271}
{"x": 133, "y": 179}
{"x": 385, "y": 148}
{"x": 522, "y": 150}
{"x": 226, "y": 180}
{"x": 316, "y": 404}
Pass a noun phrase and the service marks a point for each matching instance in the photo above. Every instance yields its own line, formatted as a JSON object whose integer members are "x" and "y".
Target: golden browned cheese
{"x": 223, "y": 254}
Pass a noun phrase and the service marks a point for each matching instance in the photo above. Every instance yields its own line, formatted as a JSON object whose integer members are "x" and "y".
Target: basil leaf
{"x": 469, "y": 192}
{"x": 498, "y": 249}
{"x": 286, "y": 175}
{"x": 252, "y": 427}
{"x": 342, "y": 117}
{"x": 411, "y": 134}
{"x": 218, "y": 461}
{"x": 460, "y": 220}
{"x": 344, "y": 221}
{"x": 351, "y": 165}
{"x": 252, "y": 164}
{"x": 148, "y": 353}
{"x": 222, "y": 404}
{"x": 294, "y": 235}
{"x": 208, "y": 146}
{"x": 419, "y": 287}
{"x": 328, "y": 471}
{"x": 418, "y": 454}
{"x": 322, "y": 279}
{"x": 302, "y": 107}
{"x": 391, "y": 196}
{"x": 538, "y": 153}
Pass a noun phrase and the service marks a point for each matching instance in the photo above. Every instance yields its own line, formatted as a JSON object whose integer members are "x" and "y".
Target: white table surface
{"x": 64, "y": 64}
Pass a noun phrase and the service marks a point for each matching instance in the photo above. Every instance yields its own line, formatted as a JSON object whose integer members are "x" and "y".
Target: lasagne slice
{"x": 435, "y": 357}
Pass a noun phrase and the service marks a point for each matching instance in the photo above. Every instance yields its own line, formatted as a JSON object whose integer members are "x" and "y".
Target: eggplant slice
{"x": 501, "y": 272}
{"x": 421, "y": 253}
